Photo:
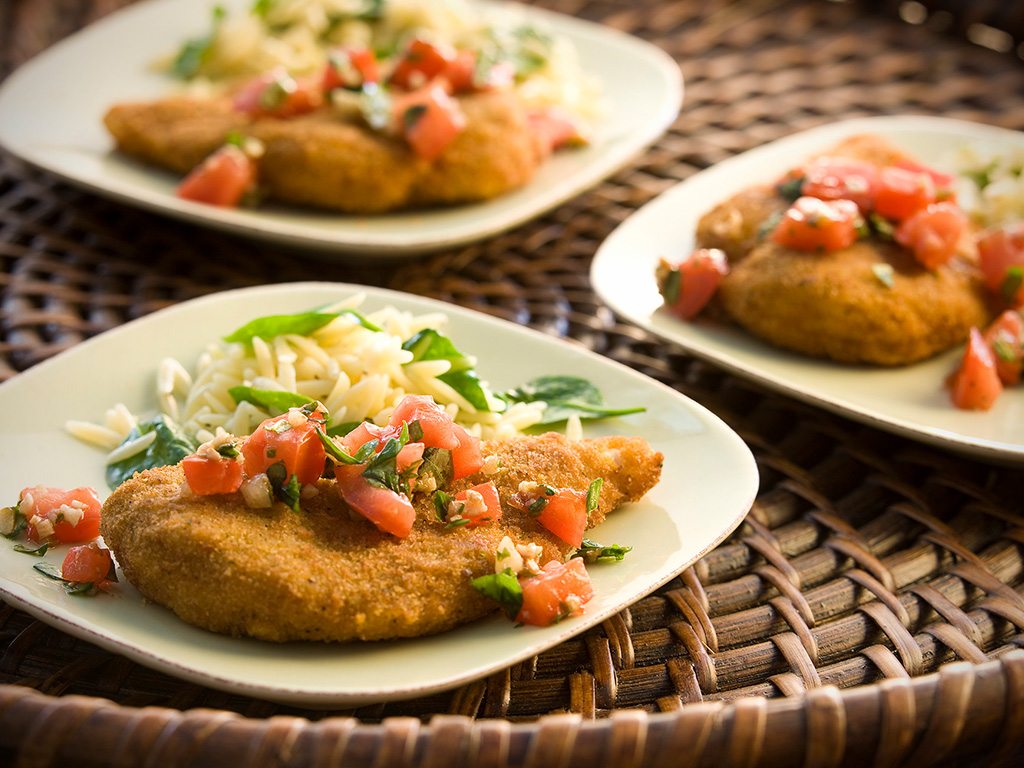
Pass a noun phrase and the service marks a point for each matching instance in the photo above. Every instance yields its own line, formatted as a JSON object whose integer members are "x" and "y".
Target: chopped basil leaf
{"x": 593, "y": 494}
{"x": 592, "y": 552}
{"x": 194, "y": 52}
{"x": 171, "y": 445}
{"x": 437, "y": 462}
{"x": 566, "y": 396}
{"x": 1006, "y": 351}
{"x": 34, "y": 551}
{"x": 884, "y": 273}
{"x": 770, "y": 224}
{"x": 51, "y": 571}
{"x": 1011, "y": 283}
{"x": 884, "y": 228}
{"x": 271, "y": 400}
{"x": 537, "y": 506}
{"x": 791, "y": 186}
{"x": 672, "y": 286}
{"x": 412, "y": 115}
{"x": 20, "y": 522}
{"x": 430, "y": 344}
{"x": 503, "y": 588}
{"x": 286, "y": 487}
{"x": 441, "y": 502}
{"x": 381, "y": 470}
{"x": 458, "y": 522}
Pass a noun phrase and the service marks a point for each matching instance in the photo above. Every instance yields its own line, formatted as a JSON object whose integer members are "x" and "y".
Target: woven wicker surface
{"x": 868, "y": 612}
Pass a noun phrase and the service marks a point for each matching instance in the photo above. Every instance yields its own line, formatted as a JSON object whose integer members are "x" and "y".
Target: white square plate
{"x": 708, "y": 484}
{"x": 51, "y": 112}
{"x": 911, "y": 400}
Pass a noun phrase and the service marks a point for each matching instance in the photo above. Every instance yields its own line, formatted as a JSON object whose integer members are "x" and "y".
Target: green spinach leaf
{"x": 431, "y": 344}
{"x": 170, "y": 446}
{"x": 566, "y": 396}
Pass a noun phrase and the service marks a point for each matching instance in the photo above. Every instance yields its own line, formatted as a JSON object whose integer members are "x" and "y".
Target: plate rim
{"x": 299, "y": 696}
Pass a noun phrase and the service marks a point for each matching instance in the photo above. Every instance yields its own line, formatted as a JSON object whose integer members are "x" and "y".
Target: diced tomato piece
{"x": 565, "y": 515}
{"x": 74, "y": 515}
{"x": 560, "y": 590}
{"x": 902, "y": 193}
{"x": 209, "y": 476}
{"x": 88, "y": 563}
{"x": 1005, "y": 336}
{"x": 467, "y": 457}
{"x": 464, "y": 76}
{"x": 391, "y": 512}
{"x": 410, "y": 454}
{"x": 933, "y": 233}
{"x": 689, "y": 285}
{"x": 278, "y": 94}
{"x": 842, "y": 178}
{"x": 429, "y": 119}
{"x": 945, "y": 183}
{"x": 349, "y": 67}
{"x": 1001, "y": 252}
{"x": 460, "y": 72}
{"x": 435, "y": 421}
{"x": 360, "y": 436}
{"x": 299, "y": 447}
{"x": 555, "y": 128}
{"x": 223, "y": 178}
{"x": 421, "y": 62}
{"x": 489, "y": 493}
{"x": 976, "y": 385}
{"x": 811, "y": 224}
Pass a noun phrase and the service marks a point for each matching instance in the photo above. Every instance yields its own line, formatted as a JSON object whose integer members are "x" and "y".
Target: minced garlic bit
{"x": 507, "y": 556}
{"x": 526, "y": 487}
{"x": 71, "y": 513}
{"x": 26, "y": 503}
{"x": 492, "y": 465}
{"x": 209, "y": 449}
{"x": 530, "y": 554}
{"x": 469, "y": 507}
{"x": 296, "y": 418}
{"x": 519, "y": 558}
{"x": 257, "y": 492}
{"x": 44, "y": 528}
{"x": 7, "y": 521}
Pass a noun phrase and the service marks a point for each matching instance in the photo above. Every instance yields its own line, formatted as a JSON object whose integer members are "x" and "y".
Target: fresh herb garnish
{"x": 286, "y": 487}
{"x": 593, "y": 494}
{"x": 194, "y": 52}
{"x": 272, "y": 400}
{"x": 503, "y": 588}
{"x": 431, "y": 344}
{"x": 17, "y": 520}
{"x": 566, "y": 396}
{"x": 78, "y": 588}
{"x": 592, "y": 552}
{"x": 301, "y": 324}
{"x": 1011, "y": 283}
{"x": 171, "y": 445}
{"x": 34, "y": 551}
{"x": 441, "y": 502}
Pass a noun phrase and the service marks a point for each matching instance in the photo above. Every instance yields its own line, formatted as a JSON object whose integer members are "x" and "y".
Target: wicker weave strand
{"x": 940, "y": 713}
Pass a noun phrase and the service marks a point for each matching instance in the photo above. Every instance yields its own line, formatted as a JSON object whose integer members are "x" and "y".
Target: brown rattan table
{"x": 869, "y": 610}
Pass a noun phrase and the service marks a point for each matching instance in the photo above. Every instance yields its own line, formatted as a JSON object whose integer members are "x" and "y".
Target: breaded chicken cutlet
{"x": 330, "y": 159}
{"x": 837, "y": 304}
{"x": 327, "y": 573}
